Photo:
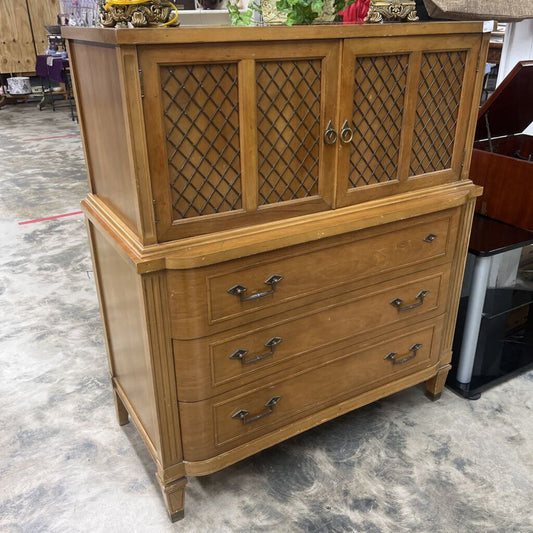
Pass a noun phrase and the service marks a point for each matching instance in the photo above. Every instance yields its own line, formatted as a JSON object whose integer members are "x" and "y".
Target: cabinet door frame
{"x": 245, "y": 57}
{"x": 414, "y": 48}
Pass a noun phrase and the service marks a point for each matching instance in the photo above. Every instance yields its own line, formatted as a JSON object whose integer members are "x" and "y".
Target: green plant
{"x": 306, "y": 11}
{"x": 341, "y": 5}
{"x": 300, "y": 11}
{"x": 240, "y": 17}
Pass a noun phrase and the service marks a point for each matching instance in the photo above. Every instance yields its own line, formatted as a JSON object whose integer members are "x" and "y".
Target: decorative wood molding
{"x": 210, "y": 249}
{"x": 270, "y": 33}
{"x": 162, "y": 361}
{"x": 456, "y": 280}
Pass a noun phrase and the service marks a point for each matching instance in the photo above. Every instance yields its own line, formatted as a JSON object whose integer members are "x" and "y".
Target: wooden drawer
{"x": 211, "y": 365}
{"x": 213, "y": 426}
{"x": 201, "y": 304}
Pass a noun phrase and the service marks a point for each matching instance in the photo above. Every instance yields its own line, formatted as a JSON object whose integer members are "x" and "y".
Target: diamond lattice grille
{"x": 288, "y": 129}
{"x": 200, "y": 105}
{"x": 378, "y": 104}
{"x": 439, "y": 96}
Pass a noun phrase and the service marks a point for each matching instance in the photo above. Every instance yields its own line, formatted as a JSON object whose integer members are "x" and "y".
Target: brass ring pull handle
{"x": 239, "y": 290}
{"x": 346, "y": 133}
{"x": 392, "y": 356}
{"x": 241, "y": 353}
{"x": 430, "y": 238}
{"x": 398, "y": 302}
{"x": 242, "y": 414}
{"x": 330, "y": 135}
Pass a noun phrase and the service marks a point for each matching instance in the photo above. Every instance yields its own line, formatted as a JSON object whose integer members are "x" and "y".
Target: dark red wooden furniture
{"x": 502, "y": 156}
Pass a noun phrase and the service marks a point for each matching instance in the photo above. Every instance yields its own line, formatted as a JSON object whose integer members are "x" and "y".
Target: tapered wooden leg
{"x": 174, "y": 495}
{"x": 435, "y": 385}
{"x": 121, "y": 411}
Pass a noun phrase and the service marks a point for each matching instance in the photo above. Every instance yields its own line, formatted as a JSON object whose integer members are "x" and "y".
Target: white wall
{"x": 517, "y": 46}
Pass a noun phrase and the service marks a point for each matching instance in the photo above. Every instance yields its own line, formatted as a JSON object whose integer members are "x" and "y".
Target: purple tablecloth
{"x": 55, "y": 71}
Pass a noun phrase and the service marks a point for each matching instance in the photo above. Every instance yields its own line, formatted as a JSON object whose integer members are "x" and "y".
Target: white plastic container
{"x": 19, "y": 85}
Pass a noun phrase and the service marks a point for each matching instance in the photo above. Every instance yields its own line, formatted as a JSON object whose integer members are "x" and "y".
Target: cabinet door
{"x": 405, "y": 105}
{"x": 235, "y": 133}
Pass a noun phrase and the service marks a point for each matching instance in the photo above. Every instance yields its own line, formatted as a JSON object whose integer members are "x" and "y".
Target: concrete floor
{"x": 400, "y": 464}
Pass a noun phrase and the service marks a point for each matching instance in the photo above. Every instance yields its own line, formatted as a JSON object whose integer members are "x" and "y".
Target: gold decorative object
{"x": 392, "y": 10}
{"x": 271, "y": 15}
{"x": 328, "y": 13}
{"x": 152, "y": 12}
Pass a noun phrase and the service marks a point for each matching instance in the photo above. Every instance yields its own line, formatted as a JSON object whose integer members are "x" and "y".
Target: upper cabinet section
{"x": 231, "y": 127}
{"x": 405, "y": 106}
{"x": 235, "y": 133}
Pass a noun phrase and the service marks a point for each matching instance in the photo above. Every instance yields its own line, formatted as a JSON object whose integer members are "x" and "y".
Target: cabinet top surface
{"x": 127, "y": 36}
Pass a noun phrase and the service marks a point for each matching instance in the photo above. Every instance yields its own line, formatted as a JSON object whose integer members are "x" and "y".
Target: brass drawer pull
{"x": 398, "y": 302}
{"x": 346, "y": 133}
{"x": 330, "y": 135}
{"x": 241, "y": 353}
{"x": 392, "y": 356}
{"x": 430, "y": 238}
{"x": 239, "y": 290}
{"x": 243, "y": 413}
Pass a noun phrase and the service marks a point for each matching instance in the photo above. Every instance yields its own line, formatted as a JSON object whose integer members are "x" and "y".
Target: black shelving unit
{"x": 504, "y": 345}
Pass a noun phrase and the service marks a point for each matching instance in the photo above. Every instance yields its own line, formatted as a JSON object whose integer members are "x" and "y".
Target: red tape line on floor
{"x": 57, "y": 137}
{"x": 50, "y": 218}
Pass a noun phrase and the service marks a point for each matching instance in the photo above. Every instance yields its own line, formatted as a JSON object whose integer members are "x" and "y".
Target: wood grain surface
{"x": 209, "y": 168}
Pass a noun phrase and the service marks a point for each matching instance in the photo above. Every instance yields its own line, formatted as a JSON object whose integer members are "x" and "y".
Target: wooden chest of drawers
{"x": 278, "y": 220}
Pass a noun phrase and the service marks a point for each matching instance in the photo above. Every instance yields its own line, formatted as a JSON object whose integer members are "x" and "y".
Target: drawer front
{"x": 209, "y": 366}
{"x": 213, "y": 426}
{"x": 237, "y": 292}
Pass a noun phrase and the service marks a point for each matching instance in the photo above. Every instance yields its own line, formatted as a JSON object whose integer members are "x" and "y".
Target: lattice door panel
{"x": 439, "y": 97}
{"x": 201, "y": 120}
{"x": 378, "y": 103}
{"x": 288, "y": 129}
